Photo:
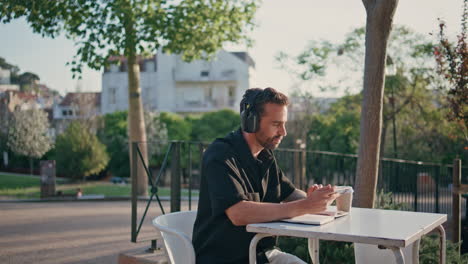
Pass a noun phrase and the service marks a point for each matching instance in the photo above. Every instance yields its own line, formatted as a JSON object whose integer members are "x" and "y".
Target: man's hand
{"x": 319, "y": 197}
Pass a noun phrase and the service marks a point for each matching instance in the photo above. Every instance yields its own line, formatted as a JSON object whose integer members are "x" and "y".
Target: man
{"x": 241, "y": 183}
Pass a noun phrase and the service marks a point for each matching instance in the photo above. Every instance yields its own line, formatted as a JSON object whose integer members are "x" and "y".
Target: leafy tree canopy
{"x": 178, "y": 128}
{"x": 408, "y": 52}
{"x": 114, "y": 135}
{"x": 102, "y": 29}
{"x": 79, "y": 153}
{"x": 215, "y": 124}
{"x": 338, "y": 129}
{"x": 452, "y": 64}
{"x": 5, "y": 65}
{"x": 27, "y": 133}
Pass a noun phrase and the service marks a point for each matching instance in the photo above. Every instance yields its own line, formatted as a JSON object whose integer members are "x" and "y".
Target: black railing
{"x": 419, "y": 186}
{"x": 184, "y": 159}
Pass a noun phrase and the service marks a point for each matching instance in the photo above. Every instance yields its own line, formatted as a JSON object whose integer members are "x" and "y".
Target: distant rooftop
{"x": 85, "y": 97}
{"x": 242, "y": 55}
{"x": 245, "y": 57}
{"x": 22, "y": 95}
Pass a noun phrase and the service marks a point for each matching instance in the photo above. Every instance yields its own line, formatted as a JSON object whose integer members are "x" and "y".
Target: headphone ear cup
{"x": 244, "y": 124}
{"x": 254, "y": 122}
{"x": 250, "y": 122}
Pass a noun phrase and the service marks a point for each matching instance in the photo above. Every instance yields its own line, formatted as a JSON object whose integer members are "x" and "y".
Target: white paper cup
{"x": 345, "y": 200}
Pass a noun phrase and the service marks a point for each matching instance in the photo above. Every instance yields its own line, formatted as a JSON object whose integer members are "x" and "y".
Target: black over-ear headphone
{"x": 250, "y": 119}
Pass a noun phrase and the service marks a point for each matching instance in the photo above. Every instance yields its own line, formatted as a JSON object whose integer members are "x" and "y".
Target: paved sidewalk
{"x": 64, "y": 232}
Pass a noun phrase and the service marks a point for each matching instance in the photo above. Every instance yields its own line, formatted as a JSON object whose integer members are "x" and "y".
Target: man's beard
{"x": 269, "y": 142}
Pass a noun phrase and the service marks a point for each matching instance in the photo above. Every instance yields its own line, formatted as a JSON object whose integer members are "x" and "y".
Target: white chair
{"x": 176, "y": 231}
{"x": 365, "y": 253}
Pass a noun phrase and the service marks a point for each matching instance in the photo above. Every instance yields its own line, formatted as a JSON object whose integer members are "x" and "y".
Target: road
{"x": 70, "y": 232}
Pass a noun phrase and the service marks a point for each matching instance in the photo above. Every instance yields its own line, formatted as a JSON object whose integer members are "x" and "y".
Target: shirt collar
{"x": 265, "y": 157}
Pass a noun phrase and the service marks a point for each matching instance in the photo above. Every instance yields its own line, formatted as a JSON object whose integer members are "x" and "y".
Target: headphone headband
{"x": 249, "y": 117}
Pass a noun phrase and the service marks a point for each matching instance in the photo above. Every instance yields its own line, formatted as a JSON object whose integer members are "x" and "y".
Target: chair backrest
{"x": 176, "y": 231}
{"x": 365, "y": 254}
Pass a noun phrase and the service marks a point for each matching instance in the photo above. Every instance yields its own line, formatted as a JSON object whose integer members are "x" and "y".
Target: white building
{"x": 172, "y": 85}
{"x": 5, "y": 83}
{"x": 82, "y": 106}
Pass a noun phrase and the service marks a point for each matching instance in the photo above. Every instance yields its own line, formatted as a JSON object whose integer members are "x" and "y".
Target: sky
{"x": 282, "y": 26}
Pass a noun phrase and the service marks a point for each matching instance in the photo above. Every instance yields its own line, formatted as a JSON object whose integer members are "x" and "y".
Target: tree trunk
{"x": 136, "y": 122}
{"x": 378, "y": 25}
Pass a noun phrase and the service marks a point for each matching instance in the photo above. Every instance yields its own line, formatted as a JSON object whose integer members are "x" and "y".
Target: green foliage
{"x": 429, "y": 247}
{"x": 330, "y": 251}
{"x": 214, "y": 124}
{"x": 29, "y": 187}
{"x": 15, "y": 182}
{"x": 178, "y": 128}
{"x": 156, "y": 133}
{"x": 79, "y": 153}
{"x": 336, "y": 252}
{"x": 114, "y": 136}
{"x": 5, "y": 65}
{"x": 411, "y": 99}
{"x": 407, "y": 50}
{"x": 429, "y": 251}
{"x": 101, "y": 29}
{"x": 452, "y": 65}
{"x": 338, "y": 129}
{"x": 27, "y": 80}
{"x": 384, "y": 200}
{"x": 294, "y": 245}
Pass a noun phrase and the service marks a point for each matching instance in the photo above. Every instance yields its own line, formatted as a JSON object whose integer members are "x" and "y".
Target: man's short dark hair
{"x": 267, "y": 95}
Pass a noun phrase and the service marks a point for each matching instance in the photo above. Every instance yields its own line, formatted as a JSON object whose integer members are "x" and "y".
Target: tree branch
{"x": 408, "y": 99}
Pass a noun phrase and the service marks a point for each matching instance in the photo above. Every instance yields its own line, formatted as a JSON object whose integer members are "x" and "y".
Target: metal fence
{"x": 419, "y": 186}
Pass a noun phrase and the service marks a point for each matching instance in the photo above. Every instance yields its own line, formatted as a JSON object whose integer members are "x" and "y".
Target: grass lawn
{"x": 26, "y": 187}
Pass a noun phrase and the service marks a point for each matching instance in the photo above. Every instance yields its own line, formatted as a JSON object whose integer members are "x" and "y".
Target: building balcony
{"x": 205, "y": 76}
{"x": 201, "y": 106}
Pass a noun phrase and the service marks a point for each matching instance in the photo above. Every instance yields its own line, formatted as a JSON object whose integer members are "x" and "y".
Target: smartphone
{"x": 343, "y": 190}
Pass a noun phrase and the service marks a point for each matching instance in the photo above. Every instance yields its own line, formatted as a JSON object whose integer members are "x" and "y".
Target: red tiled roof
{"x": 87, "y": 97}
{"x": 22, "y": 95}
{"x": 122, "y": 58}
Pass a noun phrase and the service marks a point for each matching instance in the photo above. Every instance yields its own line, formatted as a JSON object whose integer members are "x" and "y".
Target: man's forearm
{"x": 295, "y": 195}
{"x": 247, "y": 212}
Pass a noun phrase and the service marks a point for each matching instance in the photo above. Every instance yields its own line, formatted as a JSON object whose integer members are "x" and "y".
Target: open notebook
{"x": 316, "y": 219}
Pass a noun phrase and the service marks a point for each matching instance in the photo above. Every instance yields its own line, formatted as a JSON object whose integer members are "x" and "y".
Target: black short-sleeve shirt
{"x": 231, "y": 174}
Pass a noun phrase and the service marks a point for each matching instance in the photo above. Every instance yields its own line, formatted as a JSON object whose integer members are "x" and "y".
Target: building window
{"x": 67, "y": 112}
{"x": 150, "y": 66}
{"x": 205, "y": 74}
